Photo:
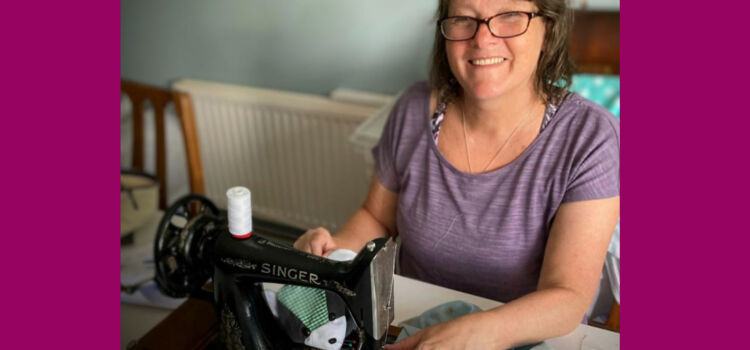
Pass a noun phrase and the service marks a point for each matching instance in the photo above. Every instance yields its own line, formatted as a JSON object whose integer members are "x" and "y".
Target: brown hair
{"x": 553, "y": 71}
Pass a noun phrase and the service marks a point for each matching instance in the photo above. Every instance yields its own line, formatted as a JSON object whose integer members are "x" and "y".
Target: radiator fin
{"x": 291, "y": 150}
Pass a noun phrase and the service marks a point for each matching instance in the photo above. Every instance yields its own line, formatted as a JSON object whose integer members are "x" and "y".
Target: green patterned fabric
{"x": 602, "y": 89}
{"x": 308, "y": 304}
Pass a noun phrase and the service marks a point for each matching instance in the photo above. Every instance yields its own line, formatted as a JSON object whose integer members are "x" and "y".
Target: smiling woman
{"x": 556, "y": 23}
{"x": 498, "y": 180}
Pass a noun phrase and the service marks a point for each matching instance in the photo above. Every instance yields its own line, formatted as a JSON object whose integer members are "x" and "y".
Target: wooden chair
{"x": 159, "y": 98}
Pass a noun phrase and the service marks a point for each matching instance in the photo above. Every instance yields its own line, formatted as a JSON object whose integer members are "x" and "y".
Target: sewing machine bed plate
{"x": 187, "y": 327}
{"x": 193, "y": 326}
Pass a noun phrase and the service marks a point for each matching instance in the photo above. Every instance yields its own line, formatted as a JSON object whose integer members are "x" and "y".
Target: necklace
{"x": 466, "y": 145}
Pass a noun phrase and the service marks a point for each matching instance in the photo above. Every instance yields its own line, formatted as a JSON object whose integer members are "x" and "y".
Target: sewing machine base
{"x": 193, "y": 326}
{"x": 392, "y": 334}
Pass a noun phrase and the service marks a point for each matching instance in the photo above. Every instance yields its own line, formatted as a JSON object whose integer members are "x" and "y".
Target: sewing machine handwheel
{"x": 182, "y": 266}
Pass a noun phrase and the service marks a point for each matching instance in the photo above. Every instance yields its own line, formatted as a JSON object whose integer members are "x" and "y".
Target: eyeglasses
{"x": 502, "y": 25}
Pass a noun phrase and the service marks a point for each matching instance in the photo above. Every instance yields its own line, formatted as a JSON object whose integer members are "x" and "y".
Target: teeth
{"x": 487, "y": 61}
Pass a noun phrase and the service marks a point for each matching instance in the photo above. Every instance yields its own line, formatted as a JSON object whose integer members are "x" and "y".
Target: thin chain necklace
{"x": 466, "y": 145}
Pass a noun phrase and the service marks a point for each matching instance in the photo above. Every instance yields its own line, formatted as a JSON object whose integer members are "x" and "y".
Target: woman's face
{"x": 518, "y": 55}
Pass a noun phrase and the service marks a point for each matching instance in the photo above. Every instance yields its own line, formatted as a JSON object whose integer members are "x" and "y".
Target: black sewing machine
{"x": 193, "y": 245}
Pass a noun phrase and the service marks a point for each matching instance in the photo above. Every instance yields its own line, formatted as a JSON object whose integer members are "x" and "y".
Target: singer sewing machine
{"x": 193, "y": 246}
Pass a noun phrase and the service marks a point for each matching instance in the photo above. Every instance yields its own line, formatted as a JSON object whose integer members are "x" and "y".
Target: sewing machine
{"x": 193, "y": 245}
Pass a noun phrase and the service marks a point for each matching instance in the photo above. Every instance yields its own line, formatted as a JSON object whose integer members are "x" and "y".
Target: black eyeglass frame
{"x": 486, "y": 21}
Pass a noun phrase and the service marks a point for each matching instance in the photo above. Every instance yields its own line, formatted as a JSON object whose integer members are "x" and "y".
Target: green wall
{"x": 310, "y": 46}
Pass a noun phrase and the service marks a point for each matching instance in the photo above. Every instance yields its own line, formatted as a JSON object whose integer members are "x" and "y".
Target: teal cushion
{"x": 602, "y": 89}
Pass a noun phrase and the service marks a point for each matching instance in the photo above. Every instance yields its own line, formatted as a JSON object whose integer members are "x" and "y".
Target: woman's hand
{"x": 374, "y": 219}
{"x": 466, "y": 332}
{"x": 317, "y": 241}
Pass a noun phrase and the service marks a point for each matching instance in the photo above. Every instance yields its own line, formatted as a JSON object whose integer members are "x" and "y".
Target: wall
{"x": 297, "y": 45}
{"x": 310, "y": 46}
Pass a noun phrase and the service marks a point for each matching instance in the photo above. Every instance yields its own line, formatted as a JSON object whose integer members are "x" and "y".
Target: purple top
{"x": 485, "y": 234}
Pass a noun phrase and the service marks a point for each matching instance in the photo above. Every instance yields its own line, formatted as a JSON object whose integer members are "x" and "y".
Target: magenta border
{"x": 685, "y": 173}
{"x": 59, "y": 142}
{"x": 681, "y": 197}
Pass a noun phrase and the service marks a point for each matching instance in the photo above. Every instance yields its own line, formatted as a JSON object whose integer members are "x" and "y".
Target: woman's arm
{"x": 573, "y": 261}
{"x": 376, "y": 218}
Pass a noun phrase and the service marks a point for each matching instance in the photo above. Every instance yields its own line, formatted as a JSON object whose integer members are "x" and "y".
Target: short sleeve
{"x": 406, "y": 121}
{"x": 384, "y": 153}
{"x": 596, "y": 171}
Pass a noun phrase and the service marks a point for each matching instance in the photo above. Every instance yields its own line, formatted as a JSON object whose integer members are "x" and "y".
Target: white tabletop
{"x": 411, "y": 298}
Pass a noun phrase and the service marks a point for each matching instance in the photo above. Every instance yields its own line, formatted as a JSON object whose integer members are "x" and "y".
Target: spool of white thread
{"x": 239, "y": 212}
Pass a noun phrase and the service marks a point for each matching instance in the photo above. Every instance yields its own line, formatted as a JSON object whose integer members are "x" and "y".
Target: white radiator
{"x": 291, "y": 150}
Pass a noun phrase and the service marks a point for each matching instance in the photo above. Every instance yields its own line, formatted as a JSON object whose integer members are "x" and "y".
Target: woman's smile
{"x": 487, "y": 61}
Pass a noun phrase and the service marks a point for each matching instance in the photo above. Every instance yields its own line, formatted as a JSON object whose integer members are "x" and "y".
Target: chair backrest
{"x": 159, "y": 98}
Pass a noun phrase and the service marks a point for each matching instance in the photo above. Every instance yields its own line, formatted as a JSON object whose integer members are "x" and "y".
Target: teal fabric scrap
{"x": 446, "y": 312}
{"x": 602, "y": 89}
